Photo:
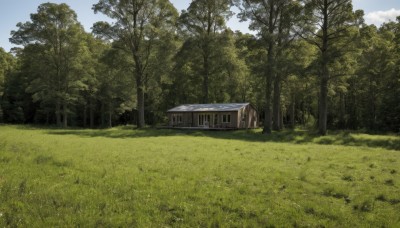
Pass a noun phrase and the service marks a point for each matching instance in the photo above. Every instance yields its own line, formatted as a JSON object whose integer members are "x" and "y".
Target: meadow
{"x": 169, "y": 178}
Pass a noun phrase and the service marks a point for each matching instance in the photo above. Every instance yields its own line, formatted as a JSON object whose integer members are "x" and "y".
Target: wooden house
{"x": 213, "y": 116}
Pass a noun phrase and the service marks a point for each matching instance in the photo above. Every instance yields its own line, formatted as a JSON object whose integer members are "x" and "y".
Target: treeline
{"x": 312, "y": 63}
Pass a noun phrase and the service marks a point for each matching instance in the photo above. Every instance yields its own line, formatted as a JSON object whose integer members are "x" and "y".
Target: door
{"x": 215, "y": 121}
{"x": 204, "y": 120}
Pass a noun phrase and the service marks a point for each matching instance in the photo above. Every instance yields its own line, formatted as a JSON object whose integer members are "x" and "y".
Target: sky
{"x": 14, "y": 11}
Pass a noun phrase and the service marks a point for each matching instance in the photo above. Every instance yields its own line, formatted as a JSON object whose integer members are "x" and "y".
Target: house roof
{"x": 209, "y": 107}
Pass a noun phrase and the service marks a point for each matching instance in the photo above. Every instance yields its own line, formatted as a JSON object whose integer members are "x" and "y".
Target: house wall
{"x": 252, "y": 120}
{"x": 186, "y": 119}
{"x": 191, "y": 119}
{"x": 243, "y": 119}
{"x": 232, "y": 124}
{"x": 234, "y": 120}
{"x": 248, "y": 118}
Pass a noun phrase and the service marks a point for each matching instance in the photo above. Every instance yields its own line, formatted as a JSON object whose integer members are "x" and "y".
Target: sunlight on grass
{"x": 158, "y": 178}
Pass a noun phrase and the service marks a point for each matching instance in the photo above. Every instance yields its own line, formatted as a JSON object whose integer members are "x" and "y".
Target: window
{"x": 226, "y": 118}
{"x": 177, "y": 118}
{"x": 204, "y": 119}
{"x": 216, "y": 119}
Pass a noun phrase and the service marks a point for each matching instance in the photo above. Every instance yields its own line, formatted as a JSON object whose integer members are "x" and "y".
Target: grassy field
{"x": 167, "y": 178}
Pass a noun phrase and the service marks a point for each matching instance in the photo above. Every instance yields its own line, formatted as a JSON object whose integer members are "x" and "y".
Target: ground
{"x": 165, "y": 178}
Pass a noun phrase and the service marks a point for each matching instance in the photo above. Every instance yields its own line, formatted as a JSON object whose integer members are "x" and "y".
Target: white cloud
{"x": 379, "y": 17}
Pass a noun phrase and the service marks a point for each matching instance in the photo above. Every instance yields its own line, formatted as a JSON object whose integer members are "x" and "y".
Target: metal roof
{"x": 209, "y": 107}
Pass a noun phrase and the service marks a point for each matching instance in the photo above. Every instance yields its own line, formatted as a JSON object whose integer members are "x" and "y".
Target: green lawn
{"x": 163, "y": 178}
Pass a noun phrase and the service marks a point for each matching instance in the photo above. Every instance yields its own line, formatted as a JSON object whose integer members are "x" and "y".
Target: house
{"x": 213, "y": 116}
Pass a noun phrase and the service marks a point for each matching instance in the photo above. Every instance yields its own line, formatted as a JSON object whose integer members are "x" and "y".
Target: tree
{"x": 329, "y": 21}
{"x": 138, "y": 24}
{"x": 115, "y": 83}
{"x": 54, "y": 33}
{"x": 7, "y": 65}
{"x": 297, "y": 84}
{"x": 376, "y": 84}
{"x": 289, "y": 15}
{"x": 273, "y": 19}
{"x": 227, "y": 71}
{"x": 92, "y": 71}
{"x": 203, "y": 20}
{"x": 161, "y": 64}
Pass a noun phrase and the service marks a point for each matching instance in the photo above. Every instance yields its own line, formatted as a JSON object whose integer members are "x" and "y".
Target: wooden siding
{"x": 218, "y": 116}
{"x": 246, "y": 117}
{"x": 186, "y": 120}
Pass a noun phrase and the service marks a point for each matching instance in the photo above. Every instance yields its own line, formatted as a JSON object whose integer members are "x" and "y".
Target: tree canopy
{"x": 312, "y": 64}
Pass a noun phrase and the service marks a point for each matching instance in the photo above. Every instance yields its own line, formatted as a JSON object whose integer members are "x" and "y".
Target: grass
{"x": 163, "y": 178}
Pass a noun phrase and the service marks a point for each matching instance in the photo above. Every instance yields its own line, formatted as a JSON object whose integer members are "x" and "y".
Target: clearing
{"x": 161, "y": 178}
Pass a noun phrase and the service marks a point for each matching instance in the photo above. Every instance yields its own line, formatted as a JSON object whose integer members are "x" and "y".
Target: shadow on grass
{"x": 288, "y": 136}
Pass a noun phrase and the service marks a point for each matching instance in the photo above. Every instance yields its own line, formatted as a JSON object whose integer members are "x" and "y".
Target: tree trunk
{"x": 268, "y": 116}
{"x": 270, "y": 73}
{"x": 342, "y": 112}
{"x": 205, "y": 79}
{"x": 1, "y": 112}
{"x": 140, "y": 102}
{"x": 280, "y": 118}
{"x": 277, "y": 105}
{"x": 110, "y": 115}
{"x": 138, "y": 75}
{"x": 47, "y": 117}
{"x": 84, "y": 116}
{"x": 277, "y": 112}
{"x": 268, "y": 92}
{"x": 323, "y": 101}
{"x": 58, "y": 114}
{"x": 323, "y": 105}
{"x": 91, "y": 114}
{"x": 372, "y": 115}
{"x": 292, "y": 112}
{"x": 353, "y": 120}
{"x": 65, "y": 115}
{"x": 102, "y": 115}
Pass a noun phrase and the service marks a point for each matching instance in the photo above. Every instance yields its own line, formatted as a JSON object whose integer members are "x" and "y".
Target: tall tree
{"x": 92, "y": 71}
{"x": 54, "y": 32}
{"x": 295, "y": 79}
{"x": 115, "y": 83}
{"x": 138, "y": 24}
{"x": 329, "y": 21}
{"x": 376, "y": 78}
{"x": 273, "y": 21}
{"x": 227, "y": 71}
{"x": 7, "y": 65}
{"x": 289, "y": 15}
{"x": 203, "y": 20}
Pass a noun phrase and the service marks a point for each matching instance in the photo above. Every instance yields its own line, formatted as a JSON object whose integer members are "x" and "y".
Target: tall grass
{"x": 159, "y": 178}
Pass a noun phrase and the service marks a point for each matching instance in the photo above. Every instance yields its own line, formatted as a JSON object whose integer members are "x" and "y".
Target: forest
{"x": 309, "y": 63}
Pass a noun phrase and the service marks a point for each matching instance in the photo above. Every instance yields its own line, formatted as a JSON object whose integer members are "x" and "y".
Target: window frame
{"x": 177, "y": 118}
{"x": 226, "y": 118}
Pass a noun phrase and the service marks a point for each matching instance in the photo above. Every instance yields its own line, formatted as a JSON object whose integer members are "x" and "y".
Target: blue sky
{"x": 14, "y": 11}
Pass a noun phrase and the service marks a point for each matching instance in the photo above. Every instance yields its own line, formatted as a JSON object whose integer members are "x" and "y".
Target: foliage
{"x": 53, "y": 40}
{"x": 299, "y": 70}
{"x": 139, "y": 24}
{"x": 204, "y": 25}
{"x": 329, "y": 26}
{"x": 7, "y": 64}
